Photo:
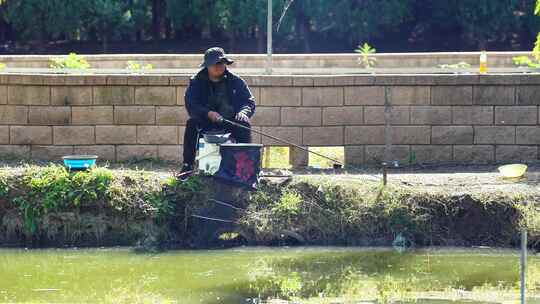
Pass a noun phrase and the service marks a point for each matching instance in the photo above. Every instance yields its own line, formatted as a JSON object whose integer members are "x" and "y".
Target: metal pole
{"x": 523, "y": 264}
{"x": 269, "y": 39}
{"x": 385, "y": 173}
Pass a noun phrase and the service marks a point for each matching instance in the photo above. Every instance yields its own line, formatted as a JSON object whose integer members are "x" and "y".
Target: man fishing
{"x": 215, "y": 93}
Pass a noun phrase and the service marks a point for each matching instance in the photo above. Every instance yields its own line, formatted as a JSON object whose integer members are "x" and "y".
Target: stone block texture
{"x": 406, "y": 118}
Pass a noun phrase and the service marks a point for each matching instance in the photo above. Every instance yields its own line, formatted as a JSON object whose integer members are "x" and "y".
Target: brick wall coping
{"x": 384, "y": 60}
{"x": 279, "y": 80}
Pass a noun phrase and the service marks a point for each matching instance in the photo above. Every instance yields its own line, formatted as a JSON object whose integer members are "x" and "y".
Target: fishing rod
{"x": 233, "y": 123}
{"x": 281, "y": 140}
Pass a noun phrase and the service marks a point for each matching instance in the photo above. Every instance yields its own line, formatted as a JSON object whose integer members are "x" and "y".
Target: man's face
{"x": 216, "y": 70}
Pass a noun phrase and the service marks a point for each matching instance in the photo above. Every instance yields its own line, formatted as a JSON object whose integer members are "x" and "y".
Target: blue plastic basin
{"x": 79, "y": 162}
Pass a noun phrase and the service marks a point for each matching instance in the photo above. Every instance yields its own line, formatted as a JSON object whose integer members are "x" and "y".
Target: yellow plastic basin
{"x": 513, "y": 170}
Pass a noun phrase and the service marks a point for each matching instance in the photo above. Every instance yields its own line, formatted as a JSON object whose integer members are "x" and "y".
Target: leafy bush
{"x": 289, "y": 203}
{"x": 43, "y": 190}
{"x": 525, "y": 61}
{"x": 4, "y": 188}
{"x": 327, "y": 211}
{"x": 71, "y": 61}
{"x": 136, "y": 66}
{"x": 536, "y": 49}
{"x": 366, "y": 59}
{"x": 53, "y": 188}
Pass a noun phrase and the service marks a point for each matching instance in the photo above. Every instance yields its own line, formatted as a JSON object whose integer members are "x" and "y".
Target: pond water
{"x": 241, "y": 275}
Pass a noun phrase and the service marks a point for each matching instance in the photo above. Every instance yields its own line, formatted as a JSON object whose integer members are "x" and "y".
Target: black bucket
{"x": 240, "y": 164}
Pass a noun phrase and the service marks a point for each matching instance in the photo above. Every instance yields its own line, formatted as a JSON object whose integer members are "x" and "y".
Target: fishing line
{"x": 377, "y": 178}
{"x": 226, "y": 204}
{"x": 212, "y": 218}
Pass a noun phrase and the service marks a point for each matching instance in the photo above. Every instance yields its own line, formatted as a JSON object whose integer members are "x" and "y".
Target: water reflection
{"x": 247, "y": 274}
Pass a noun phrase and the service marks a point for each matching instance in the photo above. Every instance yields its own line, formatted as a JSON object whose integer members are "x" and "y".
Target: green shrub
{"x": 135, "y": 66}
{"x": 289, "y": 203}
{"x": 162, "y": 205}
{"x": 4, "y": 186}
{"x": 71, "y": 61}
{"x": 43, "y": 190}
{"x": 54, "y": 189}
{"x": 366, "y": 59}
{"x": 525, "y": 61}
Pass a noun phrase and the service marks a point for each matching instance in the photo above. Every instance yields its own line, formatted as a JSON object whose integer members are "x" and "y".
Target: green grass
{"x": 326, "y": 211}
{"x": 38, "y": 192}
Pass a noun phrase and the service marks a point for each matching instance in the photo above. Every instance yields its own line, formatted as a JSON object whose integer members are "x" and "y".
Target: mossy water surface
{"x": 308, "y": 275}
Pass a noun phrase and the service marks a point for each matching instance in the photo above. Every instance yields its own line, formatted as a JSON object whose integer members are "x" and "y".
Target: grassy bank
{"x": 48, "y": 206}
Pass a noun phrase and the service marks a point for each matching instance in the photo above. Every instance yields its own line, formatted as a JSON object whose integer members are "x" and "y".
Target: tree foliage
{"x": 476, "y": 23}
{"x": 536, "y": 50}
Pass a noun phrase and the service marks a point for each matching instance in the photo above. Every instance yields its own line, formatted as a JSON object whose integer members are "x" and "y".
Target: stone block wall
{"x": 325, "y": 61}
{"x": 420, "y": 118}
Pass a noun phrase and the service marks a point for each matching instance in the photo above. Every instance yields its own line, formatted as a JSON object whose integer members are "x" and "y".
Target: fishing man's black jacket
{"x": 196, "y": 97}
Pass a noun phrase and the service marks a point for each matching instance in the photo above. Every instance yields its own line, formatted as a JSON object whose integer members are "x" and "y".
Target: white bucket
{"x": 208, "y": 157}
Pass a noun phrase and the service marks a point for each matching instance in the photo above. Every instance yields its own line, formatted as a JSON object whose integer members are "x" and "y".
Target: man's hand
{"x": 243, "y": 116}
{"x": 214, "y": 116}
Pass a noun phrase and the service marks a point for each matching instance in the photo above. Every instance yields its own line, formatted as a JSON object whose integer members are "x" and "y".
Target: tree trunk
{"x": 157, "y": 19}
{"x": 206, "y": 32}
{"x": 4, "y": 26}
{"x": 306, "y": 32}
{"x": 3, "y": 30}
{"x": 302, "y": 25}
{"x": 92, "y": 34}
{"x": 232, "y": 41}
{"x": 482, "y": 42}
{"x": 105, "y": 44}
{"x": 260, "y": 40}
{"x": 168, "y": 29}
{"x": 43, "y": 30}
{"x": 105, "y": 38}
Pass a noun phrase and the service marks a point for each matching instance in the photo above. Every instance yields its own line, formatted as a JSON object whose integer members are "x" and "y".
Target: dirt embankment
{"x": 48, "y": 206}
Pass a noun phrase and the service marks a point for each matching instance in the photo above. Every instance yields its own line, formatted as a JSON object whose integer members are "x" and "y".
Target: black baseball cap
{"x": 215, "y": 55}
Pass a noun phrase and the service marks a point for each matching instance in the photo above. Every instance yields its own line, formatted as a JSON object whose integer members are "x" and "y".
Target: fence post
{"x": 523, "y": 287}
{"x": 269, "y": 39}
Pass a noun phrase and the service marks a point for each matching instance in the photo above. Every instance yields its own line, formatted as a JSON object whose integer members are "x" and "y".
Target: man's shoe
{"x": 187, "y": 171}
